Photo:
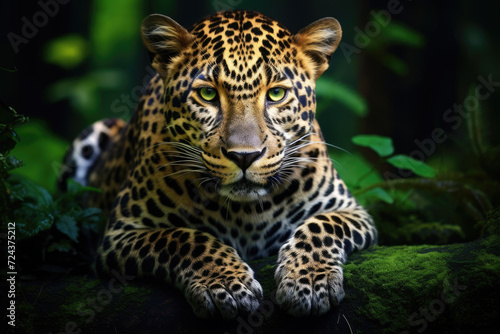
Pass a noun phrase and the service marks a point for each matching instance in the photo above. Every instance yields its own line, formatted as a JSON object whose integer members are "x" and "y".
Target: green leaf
{"x": 9, "y": 70}
{"x": 327, "y": 88}
{"x": 89, "y": 218}
{"x": 89, "y": 212}
{"x": 418, "y": 167}
{"x": 380, "y": 194}
{"x": 67, "y": 225}
{"x": 63, "y": 245}
{"x": 31, "y": 220}
{"x": 9, "y": 118}
{"x": 32, "y": 206}
{"x": 12, "y": 163}
{"x": 76, "y": 188}
{"x": 382, "y": 145}
{"x": 28, "y": 191}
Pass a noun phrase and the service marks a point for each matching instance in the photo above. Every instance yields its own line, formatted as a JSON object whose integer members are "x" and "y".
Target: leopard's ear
{"x": 318, "y": 41}
{"x": 164, "y": 38}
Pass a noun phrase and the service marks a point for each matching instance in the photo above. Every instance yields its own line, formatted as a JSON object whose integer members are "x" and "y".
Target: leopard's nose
{"x": 243, "y": 159}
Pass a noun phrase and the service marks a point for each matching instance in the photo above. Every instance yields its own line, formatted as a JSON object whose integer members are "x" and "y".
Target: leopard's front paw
{"x": 306, "y": 286}
{"x": 224, "y": 292}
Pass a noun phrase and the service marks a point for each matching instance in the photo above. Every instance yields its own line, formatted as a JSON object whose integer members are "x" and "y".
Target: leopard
{"x": 223, "y": 162}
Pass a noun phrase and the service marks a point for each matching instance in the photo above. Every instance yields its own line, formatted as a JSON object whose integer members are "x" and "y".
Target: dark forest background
{"x": 395, "y": 75}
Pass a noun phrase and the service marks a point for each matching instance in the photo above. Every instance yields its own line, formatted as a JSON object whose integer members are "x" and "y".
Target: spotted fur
{"x": 196, "y": 186}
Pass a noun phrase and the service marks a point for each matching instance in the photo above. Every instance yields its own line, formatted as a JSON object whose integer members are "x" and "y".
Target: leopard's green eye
{"x": 276, "y": 94}
{"x": 208, "y": 93}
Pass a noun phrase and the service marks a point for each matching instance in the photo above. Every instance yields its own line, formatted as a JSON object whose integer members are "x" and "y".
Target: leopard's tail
{"x": 86, "y": 151}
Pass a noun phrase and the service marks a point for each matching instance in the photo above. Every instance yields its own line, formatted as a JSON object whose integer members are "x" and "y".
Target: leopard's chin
{"x": 245, "y": 191}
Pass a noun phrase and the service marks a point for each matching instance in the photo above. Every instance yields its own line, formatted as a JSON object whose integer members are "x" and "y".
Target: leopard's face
{"x": 245, "y": 135}
{"x": 239, "y": 95}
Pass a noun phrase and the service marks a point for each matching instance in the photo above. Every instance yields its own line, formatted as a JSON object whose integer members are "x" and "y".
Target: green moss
{"x": 132, "y": 297}
{"x": 264, "y": 273}
{"x": 76, "y": 293}
{"x": 87, "y": 301}
{"x": 268, "y": 284}
{"x": 395, "y": 287}
{"x": 384, "y": 277}
{"x": 135, "y": 291}
{"x": 77, "y": 284}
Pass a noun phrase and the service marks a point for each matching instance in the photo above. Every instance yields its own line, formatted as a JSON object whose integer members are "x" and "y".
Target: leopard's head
{"x": 240, "y": 93}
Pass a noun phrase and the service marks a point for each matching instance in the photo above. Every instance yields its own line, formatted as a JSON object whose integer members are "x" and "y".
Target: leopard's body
{"x": 223, "y": 161}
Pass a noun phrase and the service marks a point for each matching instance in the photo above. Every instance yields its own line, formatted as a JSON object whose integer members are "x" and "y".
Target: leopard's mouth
{"x": 245, "y": 190}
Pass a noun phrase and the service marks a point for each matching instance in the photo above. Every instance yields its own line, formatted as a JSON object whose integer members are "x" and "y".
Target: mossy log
{"x": 400, "y": 289}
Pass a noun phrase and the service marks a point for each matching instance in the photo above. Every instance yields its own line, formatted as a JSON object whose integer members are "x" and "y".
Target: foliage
{"x": 53, "y": 226}
{"x": 430, "y": 207}
{"x": 384, "y": 147}
{"x": 32, "y": 207}
{"x": 53, "y": 223}
{"x": 35, "y": 210}
{"x": 9, "y": 120}
{"x": 490, "y": 225}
